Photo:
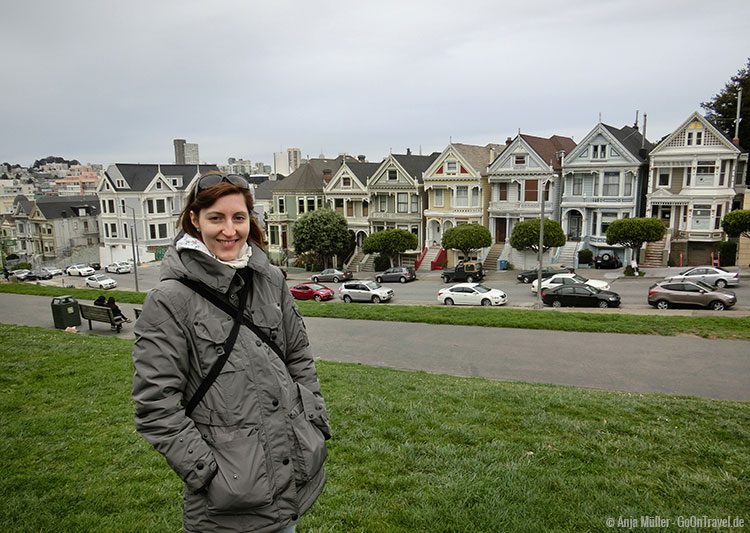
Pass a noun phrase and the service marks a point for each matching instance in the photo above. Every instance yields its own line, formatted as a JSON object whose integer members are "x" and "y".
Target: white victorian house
{"x": 346, "y": 193}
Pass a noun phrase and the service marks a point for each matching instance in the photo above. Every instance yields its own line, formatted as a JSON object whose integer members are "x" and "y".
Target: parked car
{"x": 607, "y": 259}
{"x": 364, "y": 291}
{"x": 39, "y": 274}
{"x": 471, "y": 294}
{"x": 569, "y": 279}
{"x": 666, "y": 294}
{"x": 469, "y": 271}
{"x": 310, "y": 290}
{"x": 401, "y": 274}
{"x": 101, "y": 281}
{"x": 119, "y": 267}
{"x": 80, "y": 270}
{"x": 527, "y": 276}
{"x": 709, "y": 275}
{"x": 332, "y": 274}
{"x": 579, "y": 295}
{"x": 23, "y": 274}
{"x": 53, "y": 271}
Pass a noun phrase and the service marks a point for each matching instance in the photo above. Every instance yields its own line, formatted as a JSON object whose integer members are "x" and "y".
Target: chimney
{"x": 508, "y": 141}
{"x": 361, "y": 158}
{"x": 492, "y": 154}
{"x": 642, "y": 152}
{"x": 408, "y": 151}
{"x": 327, "y": 175}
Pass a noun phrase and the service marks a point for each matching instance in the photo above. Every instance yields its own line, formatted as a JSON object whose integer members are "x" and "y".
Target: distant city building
{"x": 287, "y": 162}
{"x": 179, "y": 151}
{"x": 238, "y": 166}
{"x": 11, "y": 188}
{"x": 191, "y": 154}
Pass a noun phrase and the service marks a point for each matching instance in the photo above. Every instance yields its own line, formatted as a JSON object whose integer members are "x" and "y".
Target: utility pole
{"x": 541, "y": 245}
{"x": 134, "y": 244}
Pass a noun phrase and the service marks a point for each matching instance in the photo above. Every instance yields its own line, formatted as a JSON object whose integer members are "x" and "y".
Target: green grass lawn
{"x": 411, "y": 451}
{"x": 715, "y": 326}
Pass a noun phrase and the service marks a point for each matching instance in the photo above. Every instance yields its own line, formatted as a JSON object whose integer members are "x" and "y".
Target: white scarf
{"x": 188, "y": 242}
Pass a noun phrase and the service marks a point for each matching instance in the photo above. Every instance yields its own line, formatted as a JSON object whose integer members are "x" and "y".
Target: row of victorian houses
{"x": 689, "y": 180}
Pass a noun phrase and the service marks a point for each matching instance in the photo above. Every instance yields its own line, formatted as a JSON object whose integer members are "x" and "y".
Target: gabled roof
{"x": 548, "y": 149}
{"x": 264, "y": 191}
{"x": 664, "y": 142}
{"x": 362, "y": 170}
{"x": 139, "y": 176}
{"x": 415, "y": 165}
{"x": 24, "y": 203}
{"x": 479, "y": 157}
{"x": 54, "y": 207}
{"x": 631, "y": 138}
{"x": 309, "y": 176}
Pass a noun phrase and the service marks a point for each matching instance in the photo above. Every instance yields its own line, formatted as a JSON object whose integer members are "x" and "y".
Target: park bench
{"x": 98, "y": 313}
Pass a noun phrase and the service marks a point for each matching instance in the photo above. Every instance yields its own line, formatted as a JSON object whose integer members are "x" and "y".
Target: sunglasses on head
{"x": 214, "y": 179}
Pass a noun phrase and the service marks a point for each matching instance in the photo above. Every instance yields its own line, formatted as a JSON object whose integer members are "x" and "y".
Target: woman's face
{"x": 224, "y": 226}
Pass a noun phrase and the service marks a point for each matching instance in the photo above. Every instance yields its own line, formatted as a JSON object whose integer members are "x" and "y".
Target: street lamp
{"x": 133, "y": 245}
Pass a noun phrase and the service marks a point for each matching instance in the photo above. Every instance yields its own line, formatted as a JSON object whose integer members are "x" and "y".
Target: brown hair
{"x": 207, "y": 197}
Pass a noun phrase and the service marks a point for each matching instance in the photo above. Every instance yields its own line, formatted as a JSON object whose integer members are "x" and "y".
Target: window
{"x": 120, "y": 183}
{"x": 281, "y": 205}
{"x": 627, "y": 189}
{"x": 350, "y": 209}
{"x": 694, "y": 138}
{"x": 519, "y": 160}
{"x": 122, "y": 206}
{"x": 701, "y": 216}
{"x": 598, "y": 151}
{"x": 365, "y": 208}
{"x": 125, "y": 230}
{"x": 475, "y": 197}
{"x": 607, "y": 219}
{"x": 338, "y": 205}
{"x": 382, "y": 203}
{"x": 439, "y": 198}
{"x": 300, "y": 205}
{"x": 156, "y": 206}
{"x": 723, "y": 171}
{"x": 462, "y": 196}
{"x": 311, "y": 204}
{"x": 613, "y": 152}
{"x": 158, "y": 185}
{"x": 547, "y": 188}
{"x": 577, "y": 185}
{"x": 595, "y": 191}
{"x": 688, "y": 175}
{"x": 704, "y": 174}
{"x": 611, "y": 185}
{"x": 157, "y": 231}
{"x": 392, "y": 176}
{"x": 502, "y": 192}
{"x": 402, "y": 202}
{"x": 273, "y": 235}
{"x": 108, "y": 206}
{"x": 717, "y": 218}
{"x": 451, "y": 167}
{"x": 531, "y": 192}
{"x": 663, "y": 177}
{"x": 346, "y": 182}
{"x": 414, "y": 203}
{"x": 593, "y": 223}
{"x": 112, "y": 229}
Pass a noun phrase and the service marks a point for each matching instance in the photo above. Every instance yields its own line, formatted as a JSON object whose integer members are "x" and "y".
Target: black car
{"x": 580, "y": 295}
{"x": 527, "y": 276}
{"x": 607, "y": 259}
{"x": 95, "y": 265}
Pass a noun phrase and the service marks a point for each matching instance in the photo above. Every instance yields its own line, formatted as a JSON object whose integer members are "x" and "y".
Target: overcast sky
{"x": 104, "y": 82}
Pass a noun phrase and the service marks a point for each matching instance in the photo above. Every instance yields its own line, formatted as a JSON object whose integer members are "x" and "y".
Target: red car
{"x": 311, "y": 291}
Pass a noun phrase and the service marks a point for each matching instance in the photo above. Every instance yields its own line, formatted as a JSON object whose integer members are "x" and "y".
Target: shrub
{"x": 585, "y": 256}
{"x": 728, "y": 251}
{"x": 381, "y": 262}
{"x": 22, "y": 266}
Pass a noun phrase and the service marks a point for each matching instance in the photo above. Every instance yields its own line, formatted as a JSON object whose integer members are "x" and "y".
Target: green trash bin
{"x": 65, "y": 312}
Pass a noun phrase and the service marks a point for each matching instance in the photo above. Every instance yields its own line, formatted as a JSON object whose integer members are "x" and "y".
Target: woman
{"x": 251, "y": 452}
{"x": 116, "y": 311}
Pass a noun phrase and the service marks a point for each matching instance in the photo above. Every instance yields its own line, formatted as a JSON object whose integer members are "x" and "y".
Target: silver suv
{"x": 666, "y": 294}
{"x": 364, "y": 291}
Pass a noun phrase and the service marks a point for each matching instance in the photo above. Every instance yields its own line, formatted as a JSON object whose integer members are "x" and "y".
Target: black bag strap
{"x": 213, "y": 373}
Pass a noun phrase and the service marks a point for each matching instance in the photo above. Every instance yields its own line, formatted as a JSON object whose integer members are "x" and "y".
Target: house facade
{"x": 396, "y": 194}
{"x": 140, "y": 205}
{"x": 346, "y": 193}
{"x": 603, "y": 179}
{"x": 691, "y": 186}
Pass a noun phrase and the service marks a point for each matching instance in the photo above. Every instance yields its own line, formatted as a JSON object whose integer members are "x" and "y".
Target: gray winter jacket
{"x": 251, "y": 453}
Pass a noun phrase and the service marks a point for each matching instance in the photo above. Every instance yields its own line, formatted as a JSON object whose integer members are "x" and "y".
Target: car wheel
{"x": 335, "y": 279}
{"x": 721, "y": 283}
{"x": 470, "y": 279}
{"x": 445, "y": 279}
{"x": 662, "y": 304}
{"x": 376, "y": 299}
{"x": 316, "y": 297}
{"x": 556, "y": 303}
{"x": 316, "y": 279}
{"x": 606, "y": 257}
{"x": 379, "y": 279}
{"x": 448, "y": 301}
{"x": 717, "y": 305}
{"x": 526, "y": 279}
{"x": 402, "y": 279}
{"x": 486, "y": 303}
{"x": 603, "y": 304}
{"x": 347, "y": 299}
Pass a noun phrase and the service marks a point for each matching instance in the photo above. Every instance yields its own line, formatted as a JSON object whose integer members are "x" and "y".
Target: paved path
{"x": 636, "y": 363}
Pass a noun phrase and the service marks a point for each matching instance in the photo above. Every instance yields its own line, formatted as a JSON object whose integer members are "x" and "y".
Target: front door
{"x": 575, "y": 224}
{"x": 501, "y": 228}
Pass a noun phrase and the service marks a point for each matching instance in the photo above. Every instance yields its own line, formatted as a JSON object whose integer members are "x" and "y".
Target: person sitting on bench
{"x": 101, "y": 301}
{"x": 116, "y": 311}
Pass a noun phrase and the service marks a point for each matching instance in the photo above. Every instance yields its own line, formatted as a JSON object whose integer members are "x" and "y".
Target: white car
{"x": 471, "y": 294}
{"x": 120, "y": 267}
{"x": 100, "y": 281}
{"x": 53, "y": 271}
{"x": 569, "y": 279}
{"x": 364, "y": 291}
{"x": 80, "y": 270}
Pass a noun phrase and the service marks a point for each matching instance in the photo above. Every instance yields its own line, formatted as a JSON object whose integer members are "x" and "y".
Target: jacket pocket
{"x": 311, "y": 451}
{"x": 241, "y": 482}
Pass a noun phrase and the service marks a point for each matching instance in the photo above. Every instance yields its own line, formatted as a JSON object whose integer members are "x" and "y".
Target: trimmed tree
{"x": 525, "y": 235}
{"x": 323, "y": 232}
{"x": 390, "y": 243}
{"x": 737, "y": 223}
{"x": 466, "y": 238}
{"x": 633, "y": 232}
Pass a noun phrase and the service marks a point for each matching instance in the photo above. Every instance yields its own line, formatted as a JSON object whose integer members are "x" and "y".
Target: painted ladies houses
{"x": 397, "y": 197}
{"x": 457, "y": 192}
{"x": 141, "y": 204}
{"x": 693, "y": 173}
{"x": 528, "y": 167}
{"x": 299, "y": 193}
{"x": 604, "y": 179}
{"x": 346, "y": 194}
